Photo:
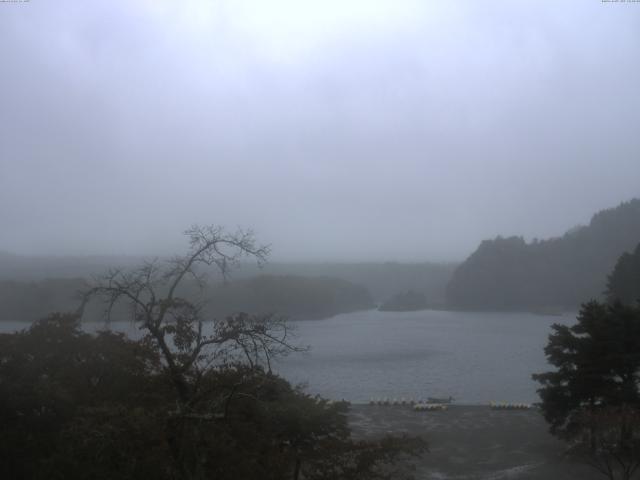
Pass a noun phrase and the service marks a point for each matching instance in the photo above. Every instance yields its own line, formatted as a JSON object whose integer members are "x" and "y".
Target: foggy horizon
{"x": 275, "y": 258}
{"x": 337, "y": 131}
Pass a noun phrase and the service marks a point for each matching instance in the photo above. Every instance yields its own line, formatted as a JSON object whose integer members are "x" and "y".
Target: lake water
{"x": 474, "y": 357}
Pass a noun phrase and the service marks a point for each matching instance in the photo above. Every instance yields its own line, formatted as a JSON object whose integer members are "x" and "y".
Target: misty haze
{"x": 311, "y": 240}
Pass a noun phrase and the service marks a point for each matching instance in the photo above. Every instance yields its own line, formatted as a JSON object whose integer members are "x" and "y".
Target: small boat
{"x": 440, "y": 400}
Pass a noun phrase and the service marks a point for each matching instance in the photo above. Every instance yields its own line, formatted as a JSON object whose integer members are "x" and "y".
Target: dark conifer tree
{"x": 592, "y": 398}
{"x": 623, "y": 285}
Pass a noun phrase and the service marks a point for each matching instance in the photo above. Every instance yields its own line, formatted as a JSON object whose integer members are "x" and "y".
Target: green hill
{"x": 293, "y": 296}
{"x": 623, "y": 285}
{"x": 21, "y": 276}
{"x": 29, "y": 301}
{"x": 509, "y": 273}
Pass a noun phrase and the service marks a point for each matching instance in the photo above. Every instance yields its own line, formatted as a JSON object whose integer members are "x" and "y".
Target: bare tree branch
{"x": 177, "y": 326}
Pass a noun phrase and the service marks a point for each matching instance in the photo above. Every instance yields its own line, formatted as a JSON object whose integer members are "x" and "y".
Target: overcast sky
{"x": 336, "y": 129}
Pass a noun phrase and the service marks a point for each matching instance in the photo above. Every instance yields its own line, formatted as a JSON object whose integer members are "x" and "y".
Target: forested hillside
{"x": 30, "y": 301}
{"x": 509, "y": 273}
{"x": 382, "y": 279}
{"x": 291, "y": 296}
{"x": 623, "y": 284}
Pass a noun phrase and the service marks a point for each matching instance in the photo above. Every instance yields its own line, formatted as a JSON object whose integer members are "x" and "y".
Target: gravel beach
{"x": 475, "y": 442}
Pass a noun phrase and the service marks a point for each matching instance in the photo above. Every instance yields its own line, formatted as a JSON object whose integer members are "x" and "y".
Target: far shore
{"x": 543, "y": 312}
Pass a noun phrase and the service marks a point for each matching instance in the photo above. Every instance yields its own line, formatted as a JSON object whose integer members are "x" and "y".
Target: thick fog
{"x": 337, "y": 130}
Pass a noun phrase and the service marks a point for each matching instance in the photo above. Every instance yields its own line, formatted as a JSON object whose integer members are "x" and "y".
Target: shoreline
{"x": 543, "y": 312}
{"x": 474, "y": 442}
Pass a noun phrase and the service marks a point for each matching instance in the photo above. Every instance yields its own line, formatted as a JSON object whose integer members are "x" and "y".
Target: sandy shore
{"x": 475, "y": 442}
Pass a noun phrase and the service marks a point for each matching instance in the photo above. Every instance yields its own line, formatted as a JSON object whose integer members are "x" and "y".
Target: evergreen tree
{"x": 593, "y": 394}
{"x": 623, "y": 284}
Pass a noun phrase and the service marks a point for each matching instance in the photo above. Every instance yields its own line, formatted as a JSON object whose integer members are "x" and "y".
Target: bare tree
{"x": 191, "y": 346}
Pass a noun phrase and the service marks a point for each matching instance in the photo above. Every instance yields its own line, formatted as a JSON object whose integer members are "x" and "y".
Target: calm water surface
{"x": 475, "y": 357}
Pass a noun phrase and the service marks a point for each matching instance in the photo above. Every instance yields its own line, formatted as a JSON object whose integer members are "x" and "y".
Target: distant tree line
{"x": 381, "y": 279}
{"x": 405, "y": 302}
{"x": 292, "y": 296}
{"x": 509, "y": 273}
{"x": 30, "y": 301}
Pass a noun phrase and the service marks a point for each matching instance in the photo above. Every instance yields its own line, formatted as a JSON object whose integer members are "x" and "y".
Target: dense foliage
{"x": 623, "y": 284}
{"x": 597, "y": 361}
{"x": 509, "y": 273}
{"x": 592, "y": 398}
{"x": 76, "y": 406}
